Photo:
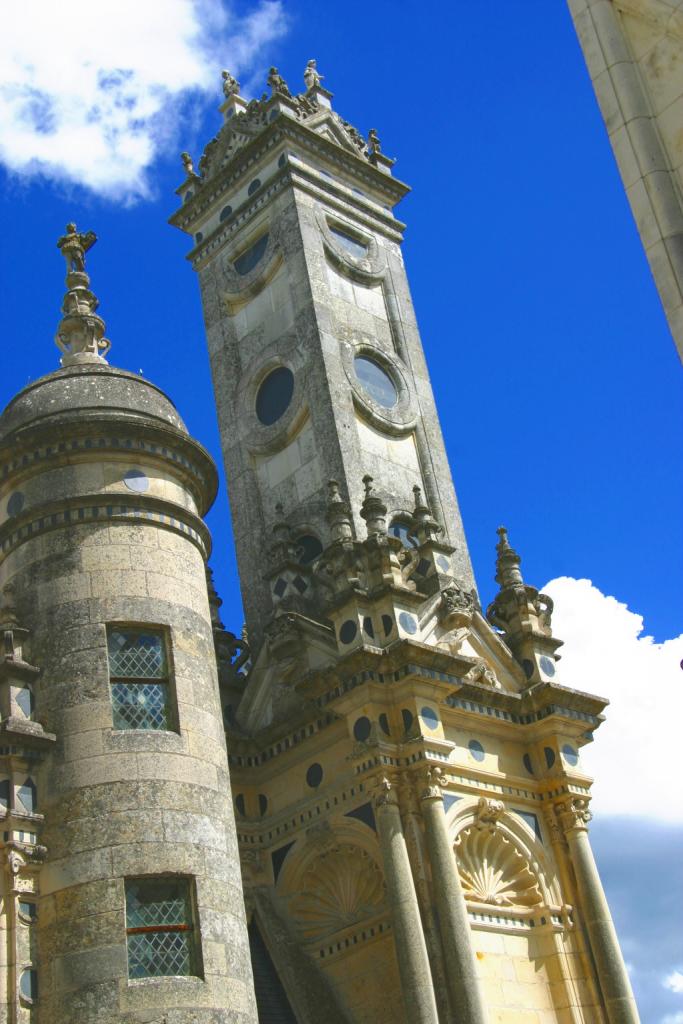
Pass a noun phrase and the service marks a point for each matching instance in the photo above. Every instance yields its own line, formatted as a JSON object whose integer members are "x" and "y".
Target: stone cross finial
{"x": 231, "y": 87}
{"x": 80, "y": 335}
{"x": 312, "y": 78}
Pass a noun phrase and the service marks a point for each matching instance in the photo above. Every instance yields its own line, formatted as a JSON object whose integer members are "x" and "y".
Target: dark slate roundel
{"x": 253, "y": 186}
{"x": 225, "y": 212}
{"x": 547, "y": 664}
{"x": 549, "y": 756}
{"x": 407, "y": 716}
{"x": 361, "y": 729}
{"x": 274, "y": 395}
{"x": 570, "y": 755}
{"x": 526, "y": 761}
{"x": 476, "y": 750}
{"x": 429, "y": 717}
{"x": 384, "y": 724}
{"x": 262, "y": 803}
{"x": 387, "y": 624}
{"x": 368, "y": 627}
{"x": 15, "y": 503}
{"x": 239, "y": 804}
{"x": 199, "y": 237}
{"x": 347, "y": 631}
{"x": 408, "y": 623}
{"x": 314, "y": 775}
{"x": 528, "y": 667}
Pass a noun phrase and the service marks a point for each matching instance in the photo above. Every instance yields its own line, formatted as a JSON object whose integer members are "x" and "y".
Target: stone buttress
{"x": 411, "y": 809}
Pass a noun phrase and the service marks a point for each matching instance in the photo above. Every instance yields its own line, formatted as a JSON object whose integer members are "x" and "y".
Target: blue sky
{"x": 555, "y": 374}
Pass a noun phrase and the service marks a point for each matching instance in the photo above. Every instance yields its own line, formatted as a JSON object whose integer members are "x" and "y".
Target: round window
{"x": 274, "y": 395}
{"x": 375, "y": 381}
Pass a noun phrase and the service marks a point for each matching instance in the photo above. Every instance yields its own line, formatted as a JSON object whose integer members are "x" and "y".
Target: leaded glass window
{"x": 160, "y": 932}
{"x": 138, "y": 672}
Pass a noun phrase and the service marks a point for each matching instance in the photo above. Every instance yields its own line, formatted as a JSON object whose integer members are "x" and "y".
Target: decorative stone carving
{"x": 455, "y": 599}
{"x": 385, "y": 793}
{"x": 493, "y": 870}
{"x": 373, "y": 510}
{"x": 312, "y": 77}
{"x": 188, "y": 164}
{"x": 277, "y": 83}
{"x": 231, "y": 87}
{"x": 73, "y": 247}
{"x": 481, "y": 673}
{"x": 342, "y": 886}
{"x": 488, "y": 813}
{"x": 433, "y": 783}
{"x": 374, "y": 145}
{"x": 80, "y": 335}
{"x": 573, "y": 814}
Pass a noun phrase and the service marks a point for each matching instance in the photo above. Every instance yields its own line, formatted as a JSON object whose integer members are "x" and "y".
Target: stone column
{"x": 411, "y": 951}
{"x": 461, "y": 970}
{"x": 613, "y": 978}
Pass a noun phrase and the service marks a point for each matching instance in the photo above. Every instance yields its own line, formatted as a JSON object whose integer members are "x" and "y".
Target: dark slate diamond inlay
{"x": 280, "y": 587}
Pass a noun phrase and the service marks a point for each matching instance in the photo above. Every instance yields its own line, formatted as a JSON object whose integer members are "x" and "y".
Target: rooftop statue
{"x": 231, "y": 87}
{"x": 312, "y": 77}
{"x": 73, "y": 247}
{"x": 277, "y": 83}
{"x": 187, "y": 164}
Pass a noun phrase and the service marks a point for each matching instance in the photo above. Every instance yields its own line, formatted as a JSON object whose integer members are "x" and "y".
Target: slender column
{"x": 461, "y": 969}
{"x": 411, "y": 951}
{"x": 613, "y": 978}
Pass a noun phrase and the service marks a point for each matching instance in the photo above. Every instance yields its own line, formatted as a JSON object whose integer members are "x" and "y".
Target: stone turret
{"x": 138, "y": 905}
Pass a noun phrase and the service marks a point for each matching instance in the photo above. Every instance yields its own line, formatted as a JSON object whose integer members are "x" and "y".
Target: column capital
{"x": 573, "y": 814}
{"x": 430, "y": 784}
{"x": 385, "y": 793}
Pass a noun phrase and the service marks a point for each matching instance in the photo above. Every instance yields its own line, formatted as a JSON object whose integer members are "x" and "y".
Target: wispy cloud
{"x": 91, "y": 93}
{"x": 636, "y": 754}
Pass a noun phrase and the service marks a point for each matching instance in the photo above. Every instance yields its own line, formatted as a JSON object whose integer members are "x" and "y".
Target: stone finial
{"x": 215, "y": 601}
{"x": 508, "y": 573}
{"x": 423, "y": 525}
{"x": 338, "y": 514}
{"x": 188, "y": 164}
{"x": 80, "y": 335}
{"x": 312, "y": 77}
{"x": 231, "y": 87}
{"x": 373, "y": 510}
{"x": 277, "y": 83}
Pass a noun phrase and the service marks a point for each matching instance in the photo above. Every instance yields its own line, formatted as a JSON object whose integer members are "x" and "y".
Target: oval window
{"x": 274, "y": 395}
{"x": 375, "y": 381}
{"x": 251, "y": 256}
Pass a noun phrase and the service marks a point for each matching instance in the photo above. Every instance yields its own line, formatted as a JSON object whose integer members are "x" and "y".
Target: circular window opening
{"x": 308, "y": 548}
{"x": 375, "y": 381}
{"x": 274, "y": 395}
{"x": 402, "y": 532}
{"x": 429, "y": 717}
{"x": 570, "y": 755}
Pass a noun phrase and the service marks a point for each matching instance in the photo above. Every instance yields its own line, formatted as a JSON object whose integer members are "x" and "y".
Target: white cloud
{"x": 636, "y": 755}
{"x": 673, "y": 1018}
{"x": 91, "y": 92}
{"x": 674, "y": 982}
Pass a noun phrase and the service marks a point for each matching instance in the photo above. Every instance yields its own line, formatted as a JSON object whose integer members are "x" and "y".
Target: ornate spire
{"x": 80, "y": 335}
{"x": 508, "y": 573}
{"x": 424, "y": 526}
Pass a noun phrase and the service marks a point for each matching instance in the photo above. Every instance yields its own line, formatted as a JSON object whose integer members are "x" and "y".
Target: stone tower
{"x": 122, "y": 896}
{"x": 316, "y": 358}
{"x": 411, "y": 810}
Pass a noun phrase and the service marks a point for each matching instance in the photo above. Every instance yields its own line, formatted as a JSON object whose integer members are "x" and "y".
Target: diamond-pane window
{"x": 160, "y": 928}
{"x": 139, "y": 679}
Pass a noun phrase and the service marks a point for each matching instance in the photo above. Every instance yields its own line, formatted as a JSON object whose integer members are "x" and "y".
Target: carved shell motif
{"x": 492, "y": 870}
{"x": 342, "y": 886}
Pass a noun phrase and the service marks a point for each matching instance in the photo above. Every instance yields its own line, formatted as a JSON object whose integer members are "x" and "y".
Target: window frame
{"x": 172, "y": 724}
{"x": 192, "y": 928}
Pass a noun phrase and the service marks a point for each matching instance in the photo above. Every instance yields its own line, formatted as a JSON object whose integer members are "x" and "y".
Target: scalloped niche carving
{"x": 493, "y": 870}
{"x": 342, "y": 886}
